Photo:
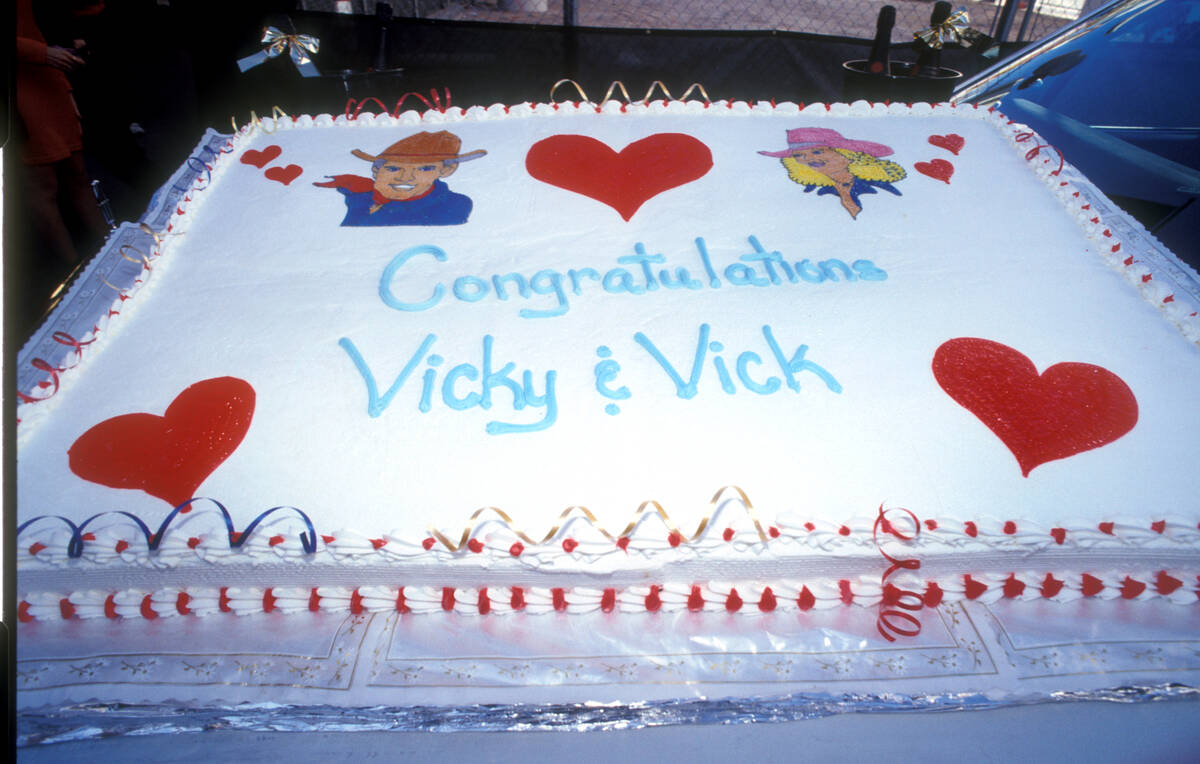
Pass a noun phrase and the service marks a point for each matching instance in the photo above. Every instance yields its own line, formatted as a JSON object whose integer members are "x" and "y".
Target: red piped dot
{"x": 1169, "y": 298}
{"x": 733, "y": 602}
{"x": 847, "y": 596}
{"x": 193, "y": 542}
{"x": 328, "y": 539}
{"x": 970, "y": 529}
{"x": 447, "y": 598}
{"x": 653, "y": 600}
{"x": 235, "y": 538}
{"x": 1090, "y": 586}
{"x": 931, "y": 525}
{"x": 608, "y": 600}
{"x": 1130, "y": 588}
{"x": 1010, "y": 527}
{"x": 23, "y": 614}
{"x": 773, "y": 532}
{"x": 314, "y": 600}
{"x": 183, "y": 604}
{"x": 1129, "y": 261}
{"x": 475, "y": 545}
{"x": 569, "y": 545}
{"x": 1051, "y": 586}
{"x": 1059, "y": 535}
{"x": 378, "y": 544}
{"x": 559, "y": 597}
{"x": 809, "y": 527}
{"x": 974, "y": 589}
{"x": 110, "y": 606}
{"x": 1159, "y": 527}
{"x": 275, "y": 541}
{"x": 88, "y": 537}
{"x": 517, "y": 600}
{"x": 356, "y": 605}
{"x": 675, "y": 539}
{"x": 844, "y": 531}
{"x": 767, "y": 601}
{"x": 1106, "y": 528}
{"x": 805, "y": 600}
{"x": 1165, "y": 584}
{"x": 933, "y": 595}
{"x": 1013, "y": 586}
{"x": 728, "y": 534}
{"x": 1146, "y": 279}
{"x": 484, "y": 603}
{"x": 36, "y": 547}
{"x": 66, "y": 609}
{"x": 623, "y": 543}
{"x": 516, "y": 549}
{"x": 121, "y": 546}
{"x": 695, "y": 601}
{"x": 268, "y": 601}
{"x": 148, "y": 608}
{"x": 428, "y": 543}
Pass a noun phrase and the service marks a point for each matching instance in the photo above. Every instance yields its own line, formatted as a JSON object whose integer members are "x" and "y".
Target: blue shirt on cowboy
{"x": 440, "y": 206}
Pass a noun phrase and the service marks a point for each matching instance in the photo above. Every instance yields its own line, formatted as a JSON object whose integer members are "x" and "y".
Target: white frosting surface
{"x": 262, "y": 283}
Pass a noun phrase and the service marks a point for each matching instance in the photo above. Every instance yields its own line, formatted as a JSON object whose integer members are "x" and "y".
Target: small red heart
{"x": 1068, "y": 409}
{"x": 284, "y": 175}
{"x": 938, "y": 169}
{"x": 623, "y": 180}
{"x": 261, "y": 159}
{"x": 952, "y": 142}
{"x": 168, "y": 456}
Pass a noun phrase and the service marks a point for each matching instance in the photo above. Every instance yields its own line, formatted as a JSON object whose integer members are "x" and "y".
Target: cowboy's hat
{"x": 442, "y": 146}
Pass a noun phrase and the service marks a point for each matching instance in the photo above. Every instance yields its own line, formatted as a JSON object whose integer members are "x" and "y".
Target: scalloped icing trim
{"x": 746, "y": 597}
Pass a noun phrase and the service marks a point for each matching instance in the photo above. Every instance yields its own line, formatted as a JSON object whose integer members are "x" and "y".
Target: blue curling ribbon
{"x": 157, "y": 538}
{"x": 299, "y": 46}
{"x": 307, "y": 540}
{"x": 75, "y": 548}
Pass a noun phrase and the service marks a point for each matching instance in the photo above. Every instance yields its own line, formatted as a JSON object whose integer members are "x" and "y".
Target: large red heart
{"x": 261, "y": 159}
{"x": 623, "y": 180}
{"x": 1068, "y": 409}
{"x": 168, "y": 456}
{"x": 938, "y": 169}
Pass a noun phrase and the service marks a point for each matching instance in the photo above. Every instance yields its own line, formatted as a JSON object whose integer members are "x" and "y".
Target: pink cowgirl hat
{"x": 812, "y": 137}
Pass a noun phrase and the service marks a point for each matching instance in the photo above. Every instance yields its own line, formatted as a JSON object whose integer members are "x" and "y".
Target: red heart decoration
{"x": 951, "y": 142}
{"x": 623, "y": 180}
{"x": 168, "y": 456}
{"x": 284, "y": 175}
{"x": 938, "y": 169}
{"x": 261, "y": 159}
{"x": 1068, "y": 409}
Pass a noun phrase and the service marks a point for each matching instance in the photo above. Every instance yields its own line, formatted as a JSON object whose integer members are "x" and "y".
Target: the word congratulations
{"x": 486, "y": 375}
{"x": 759, "y": 268}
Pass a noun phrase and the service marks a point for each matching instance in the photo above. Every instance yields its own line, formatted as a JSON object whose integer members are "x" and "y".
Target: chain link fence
{"x": 1029, "y": 20}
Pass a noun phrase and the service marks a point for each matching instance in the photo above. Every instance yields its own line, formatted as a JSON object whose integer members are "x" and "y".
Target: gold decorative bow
{"x": 299, "y": 46}
{"x": 953, "y": 30}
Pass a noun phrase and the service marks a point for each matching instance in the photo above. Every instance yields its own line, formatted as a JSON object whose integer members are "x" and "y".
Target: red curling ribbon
{"x": 767, "y": 602}
{"x": 268, "y": 601}
{"x": 401, "y": 604}
{"x": 66, "y": 609}
{"x": 608, "y": 601}
{"x": 733, "y": 602}
{"x": 110, "y": 607}
{"x": 181, "y": 604}
{"x": 517, "y": 600}
{"x": 447, "y": 598}
{"x": 653, "y": 600}
{"x": 41, "y": 365}
{"x": 805, "y": 600}
{"x": 1036, "y": 150}
{"x": 695, "y": 601}
{"x": 223, "y": 601}
{"x": 484, "y": 604}
{"x": 1165, "y": 584}
{"x": 23, "y": 614}
{"x": 148, "y": 609}
{"x": 559, "y": 599}
{"x": 1013, "y": 586}
{"x": 356, "y": 606}
{"x": 896, "y": 608}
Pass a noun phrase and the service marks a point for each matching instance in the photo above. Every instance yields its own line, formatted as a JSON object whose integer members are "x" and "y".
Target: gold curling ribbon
{"x": 144, "y": 260}
{"x": 650, "y": 92}
{"x": 617, "y": 84}
{"x": 158, "y": 239}
{"x": 582, "y": 95}
{"x": 695, "y": 86}
{"x": 566, "y": 514}
{"x": 954, "y": 30}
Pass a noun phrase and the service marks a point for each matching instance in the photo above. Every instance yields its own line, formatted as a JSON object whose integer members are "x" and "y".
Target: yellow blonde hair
{"x": 862, "y": 165}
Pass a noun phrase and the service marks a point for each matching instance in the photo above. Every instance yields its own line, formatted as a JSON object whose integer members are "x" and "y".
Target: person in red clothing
{"x": 63, "y": 210}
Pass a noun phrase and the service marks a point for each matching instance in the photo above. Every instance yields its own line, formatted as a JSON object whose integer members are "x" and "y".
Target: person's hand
{"x": 61, "y": 58}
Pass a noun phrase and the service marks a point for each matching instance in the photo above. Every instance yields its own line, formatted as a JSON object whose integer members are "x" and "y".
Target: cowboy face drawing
{"x": 406, "y": 185}
{"x": 823, "y": 159}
